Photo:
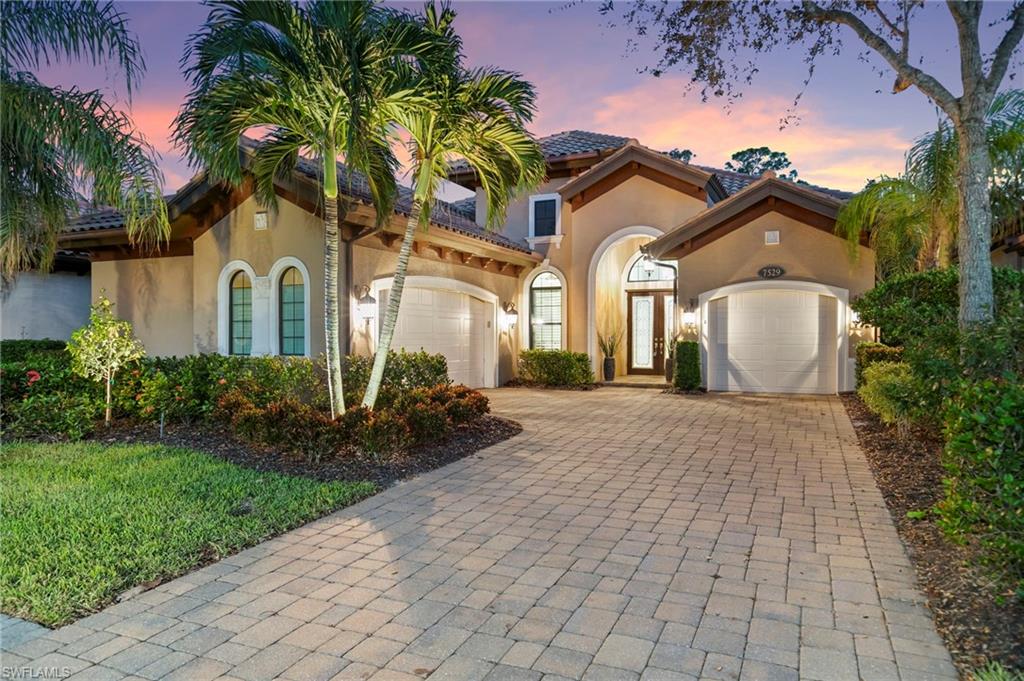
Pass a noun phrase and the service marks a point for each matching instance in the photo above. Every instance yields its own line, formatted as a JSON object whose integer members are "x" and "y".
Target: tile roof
{"x": 451, "y": 217}
{"x": 465, "y": 206}
{"x": 568, "y": 143}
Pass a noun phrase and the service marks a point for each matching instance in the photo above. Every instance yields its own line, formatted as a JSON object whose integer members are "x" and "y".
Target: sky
{"x": 850, "y": 127}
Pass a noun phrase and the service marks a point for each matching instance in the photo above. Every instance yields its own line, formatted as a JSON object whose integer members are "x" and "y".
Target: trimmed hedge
{"x": 869, "y": 353}
{"x": 21, "y": 349}
{"x": 686, "y": 375}
{"x": 891, "y": 391}
{"x": 555, "y": 368}
{"x": 984, "y": 457}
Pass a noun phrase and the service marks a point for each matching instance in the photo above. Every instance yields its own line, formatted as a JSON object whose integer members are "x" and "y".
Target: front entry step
{"x": 643, "y": 382}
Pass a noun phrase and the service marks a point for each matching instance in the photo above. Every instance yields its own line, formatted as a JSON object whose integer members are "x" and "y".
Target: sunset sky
{"x": 850, "y": 129}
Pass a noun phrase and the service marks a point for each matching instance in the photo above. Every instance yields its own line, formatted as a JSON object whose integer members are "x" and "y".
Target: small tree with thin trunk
{"x": 711, "y": 37}
{"x": 103, "y": 347}
{"x": 476, "y": 115}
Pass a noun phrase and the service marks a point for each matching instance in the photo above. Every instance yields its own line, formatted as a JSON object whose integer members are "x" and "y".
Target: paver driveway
{"x": 625, "y": 534}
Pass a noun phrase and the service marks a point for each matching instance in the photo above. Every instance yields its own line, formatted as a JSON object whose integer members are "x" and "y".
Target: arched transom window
{"x": 546, "y": 312}
{"x": 292, "y": 331}
{"x": 240, "y": 323}
{"x": 651, "y": 270}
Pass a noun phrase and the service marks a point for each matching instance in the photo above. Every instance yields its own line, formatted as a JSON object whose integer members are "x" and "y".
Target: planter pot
{"x": 669, "y": 369}
{"x": 609, "y": 368}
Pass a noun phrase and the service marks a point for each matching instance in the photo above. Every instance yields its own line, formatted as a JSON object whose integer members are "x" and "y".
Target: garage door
{"x": 772, "y": 341}
{"x": 454, "y": 324}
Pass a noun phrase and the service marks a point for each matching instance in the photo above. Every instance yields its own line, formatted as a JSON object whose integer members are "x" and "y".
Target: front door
{"x": 649, "y": 330}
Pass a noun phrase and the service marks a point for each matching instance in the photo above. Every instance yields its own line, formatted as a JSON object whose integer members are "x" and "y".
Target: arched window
{"x": 292, "y": 322}
{"x": 240, "y": 321}
{"x": 651, "y": 270}
{"x": 546, "y": 312}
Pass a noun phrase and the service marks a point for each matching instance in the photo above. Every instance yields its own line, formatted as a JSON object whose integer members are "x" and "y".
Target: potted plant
{"x": 609, "y": 343}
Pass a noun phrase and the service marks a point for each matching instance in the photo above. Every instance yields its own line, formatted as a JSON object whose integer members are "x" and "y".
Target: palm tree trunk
{"x": 387, "y": 328}
{"x": 331, "y": 315}
{"x": 975, "y": 229}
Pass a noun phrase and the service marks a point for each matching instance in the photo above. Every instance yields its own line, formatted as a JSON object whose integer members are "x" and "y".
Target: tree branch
{"x": 925, "y": 82}
{"x": 1001, "y": 57}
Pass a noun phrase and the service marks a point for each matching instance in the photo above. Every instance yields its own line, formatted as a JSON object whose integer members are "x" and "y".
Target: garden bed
{"x": 218, "y": 441}
{"x": 978, "y": 622}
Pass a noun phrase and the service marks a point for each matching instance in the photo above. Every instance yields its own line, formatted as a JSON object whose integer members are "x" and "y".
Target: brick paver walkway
{"x": 625, "y": 534}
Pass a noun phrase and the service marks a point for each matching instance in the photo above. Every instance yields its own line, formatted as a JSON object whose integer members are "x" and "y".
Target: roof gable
{"x": 766, "y": 195}
{"x": 635, "y": 159}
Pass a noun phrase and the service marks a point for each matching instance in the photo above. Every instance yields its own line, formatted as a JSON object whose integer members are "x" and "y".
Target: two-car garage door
{"x": 772, "y": 340}
{"x": 457, "y": 325}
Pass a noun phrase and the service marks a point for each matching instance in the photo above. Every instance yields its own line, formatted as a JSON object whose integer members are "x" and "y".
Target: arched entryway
{"x": 608, "y": 302}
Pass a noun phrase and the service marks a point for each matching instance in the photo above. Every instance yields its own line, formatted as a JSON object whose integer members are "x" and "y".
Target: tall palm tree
{"x": 323, "y": 76}
{"x": 475, "y": 115}
{"x": 59, "y": 145}
{"x": 912, "y": 219}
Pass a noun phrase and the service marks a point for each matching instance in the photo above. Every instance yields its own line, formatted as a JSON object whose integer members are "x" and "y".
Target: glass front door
{"x": 650, "y": 325}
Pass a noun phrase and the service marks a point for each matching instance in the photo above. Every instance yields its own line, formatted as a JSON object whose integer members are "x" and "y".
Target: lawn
{"x": 83, "y": 522}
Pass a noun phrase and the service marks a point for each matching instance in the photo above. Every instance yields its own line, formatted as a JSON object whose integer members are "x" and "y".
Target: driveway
{"x": 624, "y": 534}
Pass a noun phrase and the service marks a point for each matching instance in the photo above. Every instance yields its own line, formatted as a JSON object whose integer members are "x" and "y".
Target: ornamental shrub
{"x": 382, "y": 434}
{"x": 20, "y": 350}
{"x": 404, "y": 371}
{"x": 869, "y": 353}
{"x": 984, "y": 456}
{"x": 891, "y": 390}
{"x": 555, "y": 368}
{"x": 52, "y": 416}
{"x": 686, "y": 375}
{"x": 461, "y": 404}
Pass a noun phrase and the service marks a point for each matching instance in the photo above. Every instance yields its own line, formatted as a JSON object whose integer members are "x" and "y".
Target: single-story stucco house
{"x": 619, "y": 238}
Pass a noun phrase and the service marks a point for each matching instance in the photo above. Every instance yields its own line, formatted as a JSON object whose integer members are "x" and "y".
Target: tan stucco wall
{"x": 636, "y": 202}
{"x": 805, "y": 252}
{"x": 155, "y": 295}
{"x": 517, "y": 217}
{"x": 291, "y": 232}
{"x": 610, "y": 298}
{"x": 370, "y": 262}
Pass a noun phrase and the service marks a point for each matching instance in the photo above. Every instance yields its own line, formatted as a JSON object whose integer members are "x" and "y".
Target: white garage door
{"x": 454, "y": 324}
{"x": 772, "y": 341}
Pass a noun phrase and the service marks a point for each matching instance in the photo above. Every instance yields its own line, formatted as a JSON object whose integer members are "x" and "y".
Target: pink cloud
{"x": 657, "y": 114}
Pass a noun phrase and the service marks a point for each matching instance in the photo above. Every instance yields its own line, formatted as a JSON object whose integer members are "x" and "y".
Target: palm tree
{"x": 58, "y": 144}
{"x": 328, "y": 77}
{"x": 912, "y": 219}
{"x": 476, "y": 115}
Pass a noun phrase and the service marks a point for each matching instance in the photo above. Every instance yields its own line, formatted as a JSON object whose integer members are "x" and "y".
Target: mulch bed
{"x": 463, "y": 441}
{"x": 978, "y": 621}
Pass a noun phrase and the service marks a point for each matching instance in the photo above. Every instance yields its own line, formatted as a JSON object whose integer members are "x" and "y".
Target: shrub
{"x": 404, "y": 371}
{"x": 54, "y": 416}
{"x": 891, "y": 391}
{"x": 984, "y": 457}
{"x": 21, "y": 350}
{"x": 427, "y": 421}
{"x": 686, "y": 375}
{"x": 382, "y": 433}
{"x": 869, "y": 353}
{"x": 557, "y": 368}
{"x": 462, "y": 404}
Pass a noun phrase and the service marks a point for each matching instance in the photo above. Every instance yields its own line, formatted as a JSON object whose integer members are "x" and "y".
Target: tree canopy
{"x": 758, "y": 160}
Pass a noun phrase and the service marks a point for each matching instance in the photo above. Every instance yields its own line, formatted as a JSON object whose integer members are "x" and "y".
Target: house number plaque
{"x": 770, "y": 272}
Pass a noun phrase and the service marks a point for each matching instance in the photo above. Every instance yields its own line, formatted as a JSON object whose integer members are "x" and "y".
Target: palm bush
{"x": 59, "y": 144}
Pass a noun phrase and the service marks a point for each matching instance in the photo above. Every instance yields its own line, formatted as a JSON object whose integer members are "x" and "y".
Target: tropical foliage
{"x": 476, "y": 115}
{"x": 913, "y": 218}
{"x": 327, "y": 77}
{"x": 555, "y": 368}
{"x": 59, "y": 146}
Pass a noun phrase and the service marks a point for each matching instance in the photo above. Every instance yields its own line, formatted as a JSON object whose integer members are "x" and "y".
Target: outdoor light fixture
{"x": 689, "y": 319}
{"x": 367, "y": 304}
{"x": 648, "y": 263}
{"x": 510, "y": 315}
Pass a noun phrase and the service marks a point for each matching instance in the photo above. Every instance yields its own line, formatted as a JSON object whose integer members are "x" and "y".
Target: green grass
{"x": 83, "y": 522}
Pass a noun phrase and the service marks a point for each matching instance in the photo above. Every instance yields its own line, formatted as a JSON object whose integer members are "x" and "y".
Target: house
{"x": 619, "y": 239}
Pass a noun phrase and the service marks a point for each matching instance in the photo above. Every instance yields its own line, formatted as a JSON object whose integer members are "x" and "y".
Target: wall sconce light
{"x": 367, "y": 304}
{"x": 689, "y": 319}
{"x": 647, "y": 262}
{"x": 854, "y": 320}
{"x": 509, "y": 317}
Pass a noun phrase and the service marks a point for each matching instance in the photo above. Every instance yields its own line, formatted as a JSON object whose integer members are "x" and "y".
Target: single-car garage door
{"x": 772, "y": 340}
{"x": 454, "y": 324}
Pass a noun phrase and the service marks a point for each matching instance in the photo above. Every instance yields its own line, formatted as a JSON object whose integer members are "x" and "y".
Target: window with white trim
{"x": 545, "y": 216}
{"x": 546, "y": 312}
{"x": 292, "y": 313}
{"x": 240, "y": 311}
